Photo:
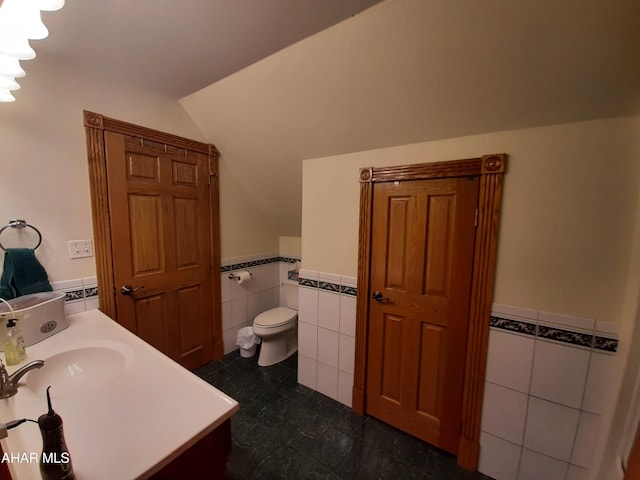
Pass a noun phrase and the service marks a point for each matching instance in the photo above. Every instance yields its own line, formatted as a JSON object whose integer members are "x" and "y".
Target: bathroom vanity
{"x": 129, "y": 412}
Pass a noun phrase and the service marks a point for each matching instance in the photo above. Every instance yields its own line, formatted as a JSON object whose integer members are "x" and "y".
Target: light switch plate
{"x": 80, "y": 248}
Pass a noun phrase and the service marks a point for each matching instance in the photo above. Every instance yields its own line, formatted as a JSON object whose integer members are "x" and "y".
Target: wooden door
{"x": 633, "y": 462}
{"x": 160, "y": 231}
{"x": 422, "y": 249}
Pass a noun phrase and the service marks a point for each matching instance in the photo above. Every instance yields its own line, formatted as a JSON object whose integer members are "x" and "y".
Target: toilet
{"x": 277, "y": 327}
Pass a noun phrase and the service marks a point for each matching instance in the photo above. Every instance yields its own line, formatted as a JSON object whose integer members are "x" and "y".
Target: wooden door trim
{"x": 491, "y": 169}
{"x": 95, "y": 126}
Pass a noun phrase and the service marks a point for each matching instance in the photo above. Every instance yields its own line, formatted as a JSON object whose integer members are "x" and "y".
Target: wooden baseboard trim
{"x": 357, "y": 401}
{"x": 468, "y": 453}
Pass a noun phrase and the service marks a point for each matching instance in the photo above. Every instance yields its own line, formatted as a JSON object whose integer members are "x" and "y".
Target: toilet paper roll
{"x": 242, "y": 277}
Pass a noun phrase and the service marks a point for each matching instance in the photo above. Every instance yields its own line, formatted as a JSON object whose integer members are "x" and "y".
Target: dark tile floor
{"x": 287, "y": 431}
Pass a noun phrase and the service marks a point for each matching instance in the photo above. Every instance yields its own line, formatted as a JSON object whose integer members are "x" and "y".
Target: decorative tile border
{"x": 565, "y": 336}
{"x": 90, "y": 292}
{"x": 513, "y": 325}
{"x": 74, "y": 295}
{"x": 256, "y": 263}
{"x": 347, "y": 290}
{"x": 606, "y": 344}
{"x": 77, "y": 291}
{"x": 306, "y": 282}
{"x": 328, "y": 286}
{"x": 561, "y": 335}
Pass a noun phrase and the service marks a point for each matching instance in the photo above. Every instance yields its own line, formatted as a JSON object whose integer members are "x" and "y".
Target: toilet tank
{"x": 40, "y": 315}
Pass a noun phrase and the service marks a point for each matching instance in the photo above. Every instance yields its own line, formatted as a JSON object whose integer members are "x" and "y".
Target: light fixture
{"x": 20, "y": 21}
{"x": 10, "y": 66}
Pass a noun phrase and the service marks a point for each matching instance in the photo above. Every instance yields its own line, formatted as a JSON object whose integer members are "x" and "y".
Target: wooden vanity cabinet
{"x": 207, "y": 459}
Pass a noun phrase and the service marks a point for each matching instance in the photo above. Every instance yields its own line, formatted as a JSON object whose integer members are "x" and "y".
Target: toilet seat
{"x": 275, "y": 317}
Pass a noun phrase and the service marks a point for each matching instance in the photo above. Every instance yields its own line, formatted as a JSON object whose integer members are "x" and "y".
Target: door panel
{"x": 422, "y": 253}
{"x": 152, "y": 317}
{"x": 145, "y": 226}
{"x": 438, "y": 244}
{"x": 186, "y": 222}
{"x": 397, "y": 267}
{"x": 191, "y": 329}
{"x": 160, "y": 224}
{"x": 391, "y": 358}
{"x": 431, "y": 340}
{"x": 143, "y": 167}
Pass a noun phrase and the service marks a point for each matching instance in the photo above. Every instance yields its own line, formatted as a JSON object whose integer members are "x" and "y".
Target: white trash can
{"x": 247, "y": 342}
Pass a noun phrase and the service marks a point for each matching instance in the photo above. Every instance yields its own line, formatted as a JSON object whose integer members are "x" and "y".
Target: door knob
{"x": 378, "y": 297}
{"x": 128, "y": 289}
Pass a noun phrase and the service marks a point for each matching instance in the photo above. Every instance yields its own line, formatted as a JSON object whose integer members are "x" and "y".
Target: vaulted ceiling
{"x": 399, "y": 72}
{"x": 178, "y": 47}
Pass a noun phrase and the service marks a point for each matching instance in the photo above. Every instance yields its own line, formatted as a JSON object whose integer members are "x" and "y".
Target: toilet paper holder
{"x": 233, "y": 276}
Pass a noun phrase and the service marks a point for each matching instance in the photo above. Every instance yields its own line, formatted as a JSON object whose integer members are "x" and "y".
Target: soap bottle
{"x": 14, "y": 351}
{"x": 55, "y": 462}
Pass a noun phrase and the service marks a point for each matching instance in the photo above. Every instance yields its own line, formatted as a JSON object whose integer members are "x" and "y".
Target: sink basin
{"x": 80, "y": 369}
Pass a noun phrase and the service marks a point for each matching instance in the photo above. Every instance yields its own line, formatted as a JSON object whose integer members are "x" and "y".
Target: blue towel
{"x": 22, "y": 274}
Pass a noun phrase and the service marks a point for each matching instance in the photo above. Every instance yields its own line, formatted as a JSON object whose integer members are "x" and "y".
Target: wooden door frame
{"x": 490, "y": 169}
{"x": 95, "y": 126}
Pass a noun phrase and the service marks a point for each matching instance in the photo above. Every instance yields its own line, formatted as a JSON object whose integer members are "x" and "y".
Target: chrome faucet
{"x": 9, "y": 383}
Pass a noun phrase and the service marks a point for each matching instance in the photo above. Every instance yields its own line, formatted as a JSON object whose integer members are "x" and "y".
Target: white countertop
{"x": 126, "y": 421}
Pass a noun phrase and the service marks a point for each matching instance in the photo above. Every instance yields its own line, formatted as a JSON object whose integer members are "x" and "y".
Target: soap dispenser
{"x": 55, "y": 462}
{"x": 14, "y": 350}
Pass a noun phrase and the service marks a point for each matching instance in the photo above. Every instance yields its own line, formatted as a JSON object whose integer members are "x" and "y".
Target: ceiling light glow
{"x": 20, "y": 21}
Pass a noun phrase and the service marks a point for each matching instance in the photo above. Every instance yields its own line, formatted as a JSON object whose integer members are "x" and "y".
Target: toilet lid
{"x": 275, "y": 317}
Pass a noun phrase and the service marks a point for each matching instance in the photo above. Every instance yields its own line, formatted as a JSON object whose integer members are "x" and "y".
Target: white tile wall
{"x": 559, "y": 373}
{"x": 544, "y": 397}
{"x": 308, "y": 340}
{"x": 308, "y": 305}
{"x": 81, "y": 294}
{"x": 347, "y": 354}
{"x": 328, "y": 380}
{"x": 576, "y": 473}
{"x": 329, "y": 310}
{"x": 326, "y": 335}
{"x": 509, "y": 360}
{"x": 504, "y": 412}
{"x": 345, "y": 388}
{"x": 494, "y": 447}
{"x": 307, "y": 372}
{"x": 600, "y": 379}
{"x": 588, "y": 430}
{"x": 551, "y": 428}
{"x": 241, "y": 303}
{"x": 534, "y": 466}
{"x": 328, "y": 347}
{"x": 348, "y": 315}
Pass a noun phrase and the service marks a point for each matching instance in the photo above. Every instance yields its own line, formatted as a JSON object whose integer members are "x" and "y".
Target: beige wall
{"x": 244, "y": 229}
{"x": 290, "y": 247}
{"x": 44, "y": 176}
{"x": 407, "y": 71}
{"x": 570, "y": 198}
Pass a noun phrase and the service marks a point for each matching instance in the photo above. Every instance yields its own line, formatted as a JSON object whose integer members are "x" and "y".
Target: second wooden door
{"x": 423, "y": 235}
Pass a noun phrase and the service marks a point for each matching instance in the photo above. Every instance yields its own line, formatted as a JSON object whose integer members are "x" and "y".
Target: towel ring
{"x": 20, "y": 224}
